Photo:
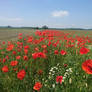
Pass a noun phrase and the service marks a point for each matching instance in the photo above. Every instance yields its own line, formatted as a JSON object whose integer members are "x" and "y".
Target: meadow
{"x": 45, "y": 60}
{"x": 11, "y": 33}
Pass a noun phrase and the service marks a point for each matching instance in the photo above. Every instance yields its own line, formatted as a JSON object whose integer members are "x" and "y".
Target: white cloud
{"x": 61, "y": 13}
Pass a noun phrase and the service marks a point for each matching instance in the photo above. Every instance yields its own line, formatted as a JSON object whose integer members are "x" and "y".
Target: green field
{"x": 11, "y": 33}
{"x": 46, "y": 60}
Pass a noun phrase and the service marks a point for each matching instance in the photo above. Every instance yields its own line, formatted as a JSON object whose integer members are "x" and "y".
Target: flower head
{"x": 87, "y": 66}
{"x": 37, "y": 86}
{"x": 63, "y": 52}
{"x": 5, "y": 69}
{"x": 14, "y": 63}
{"x": 84, "y": 50}
{"x": 21, "y": 74}
{"x": 59, "y": 79}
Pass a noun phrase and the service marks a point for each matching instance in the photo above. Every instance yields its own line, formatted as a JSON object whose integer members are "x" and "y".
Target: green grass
{"x": 51, "y": 64}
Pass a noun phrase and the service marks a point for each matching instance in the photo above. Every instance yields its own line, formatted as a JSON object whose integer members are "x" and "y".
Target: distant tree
{"x": 36, "y": 27}
{"x": 44, "y": 27}
{"x": 9, "y": 26}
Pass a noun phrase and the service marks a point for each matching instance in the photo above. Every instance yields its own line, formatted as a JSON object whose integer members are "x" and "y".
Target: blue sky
{"x": 53, "y": 13}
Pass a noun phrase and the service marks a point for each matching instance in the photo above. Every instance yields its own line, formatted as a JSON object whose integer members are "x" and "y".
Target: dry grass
{"x": 11, "y": 33}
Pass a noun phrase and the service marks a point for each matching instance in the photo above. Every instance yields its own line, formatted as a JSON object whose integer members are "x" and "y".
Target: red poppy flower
{"x": 10, "y": 47}
{"x": 56, "y": 52}
{"x": 5, "y": 69}
{"x": 63, "y": 52}
{"x": 36, "y": 49}
{"x": 19, "y": 50}
{"x": 3, "y": 42}
{"x": 35, "y": 55}
{"x": 45, "y": 51}
{"x": 42, "y": 55}
{"x": 38, "y": 33}
{"x": 19, "y": 37}
{"x": 39, "y": 55}
{"x": 21, "y": 74}
{"x": 87, "y": 66}
{"x": 30, "y": 39}
{"x": 37, "y": 86}
{"x": 65, "y": 65}
{"x": 20, "y": 34}
{"x": 84, "y": 50}
{"x": 4, "y": 60}
{"x": 26, "y": 47}
{"x": 18, "y": 57}
{"x": 14, "y": 63}
{"x": 55, "y": 44}
{"x": 26, "y": 51}
{"x": 49, "y": 43}
{"x": 25, "y": 58}
{"x": 14, "y": 52}
{"x": 44, "y": 46}
{"x": 59, "y": 79}
{"x": 7, "y": 57}
{"x": 1, "y": 48}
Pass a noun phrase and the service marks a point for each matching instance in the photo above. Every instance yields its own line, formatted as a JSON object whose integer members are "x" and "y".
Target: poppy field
{"x": 47, "y": 61}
